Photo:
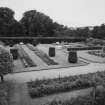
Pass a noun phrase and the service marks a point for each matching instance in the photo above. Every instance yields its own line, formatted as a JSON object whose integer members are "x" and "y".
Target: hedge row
{"x": 41, "y": 88}
{"x": 97, "y": 53}
{"x": 84, "y": 48}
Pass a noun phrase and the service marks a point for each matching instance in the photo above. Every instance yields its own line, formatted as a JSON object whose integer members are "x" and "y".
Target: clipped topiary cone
{"x": 72, "y": 57}
{"x": 14, "y": 53}
{"x": 52, "y": 52}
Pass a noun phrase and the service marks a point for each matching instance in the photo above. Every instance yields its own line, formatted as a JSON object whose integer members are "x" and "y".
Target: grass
{"x": 41, "y": 88}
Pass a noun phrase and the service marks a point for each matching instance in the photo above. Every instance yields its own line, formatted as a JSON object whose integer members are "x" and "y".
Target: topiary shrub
{"x": 14, "y": 53}
{"x": 51, "y": 51}
{"x": 6, "y": 62}
{"x": 72, "y": 58}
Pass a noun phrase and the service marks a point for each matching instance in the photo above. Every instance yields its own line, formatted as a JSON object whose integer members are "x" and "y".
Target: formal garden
{"x": 28, "y": 57}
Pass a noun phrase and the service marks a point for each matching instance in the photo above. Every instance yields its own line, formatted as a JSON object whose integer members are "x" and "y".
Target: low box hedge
{"x": 41, "y": 88}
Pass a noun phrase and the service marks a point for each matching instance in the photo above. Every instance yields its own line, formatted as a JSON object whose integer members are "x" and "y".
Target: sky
{"x": 71, "y": 13}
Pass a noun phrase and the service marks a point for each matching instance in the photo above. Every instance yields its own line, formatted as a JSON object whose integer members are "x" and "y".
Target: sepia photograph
{"x": 52, "y": 52}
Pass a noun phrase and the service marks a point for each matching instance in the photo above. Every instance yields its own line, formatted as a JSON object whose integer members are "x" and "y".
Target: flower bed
{"x": 6, "y": 61}
{"x": 42, "y": 55}
{"x": 41, "y": 88}
{"x": 97, "y": 53}
{"x": 81, "y": 100}
{"x": 25, "y": 58}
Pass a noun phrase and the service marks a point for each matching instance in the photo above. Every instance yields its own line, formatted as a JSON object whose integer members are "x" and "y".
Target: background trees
{"x": 8, "y": 25}
{"x": 37, "y": 24}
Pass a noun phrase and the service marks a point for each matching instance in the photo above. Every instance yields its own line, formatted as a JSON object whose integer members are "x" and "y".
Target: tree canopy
{"x": 37, "y": 24}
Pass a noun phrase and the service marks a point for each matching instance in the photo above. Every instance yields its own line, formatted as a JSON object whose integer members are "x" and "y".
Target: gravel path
{"x": 34, "y": 57}
{"x": 19, "y": 94}
{"x": 27, "y": 76}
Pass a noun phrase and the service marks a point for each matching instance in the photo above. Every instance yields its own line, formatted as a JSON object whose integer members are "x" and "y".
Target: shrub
{"x": 14, "y": 53}
{"x": 72, "y": 58}
{"x": 6, "y": 62}
{"x": 51, "y": 51}
{"x": 44, "y": 87}
{"x": 81, "y": 100}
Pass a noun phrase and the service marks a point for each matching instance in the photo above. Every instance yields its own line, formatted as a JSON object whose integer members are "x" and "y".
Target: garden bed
{"x": 42, "y": 55}
{"x": 25, "y": 58}
{"x": 41, "y": 88}
{"x": 90, "y": 99}
{"x": 97, "y": 53}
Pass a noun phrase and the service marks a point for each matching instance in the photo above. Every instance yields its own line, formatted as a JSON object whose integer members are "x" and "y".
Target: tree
{"x": 16, "y": 29}
{"x": 37, "y": 23}
{"x": 6, "y": 18}
{"x": 8, "y": 25}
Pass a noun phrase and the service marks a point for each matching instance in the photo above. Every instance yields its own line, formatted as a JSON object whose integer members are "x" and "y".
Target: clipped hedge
{"x": 14, "y": 53}
{"x": 84, "y": 48}
{"x": 6, "y": 61}
{"x": 52, "y": 52}
{"x": 41, "y": 88}
{"x": 72, "y": 57}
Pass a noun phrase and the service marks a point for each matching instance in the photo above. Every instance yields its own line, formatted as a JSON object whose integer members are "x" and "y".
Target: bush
{"x": 14, "y": 53}
{"x": 72, "y": 58}
{"x": 52, "y": 52}
{"x": 41, "y": 88}
{"x": 6, "y": 61}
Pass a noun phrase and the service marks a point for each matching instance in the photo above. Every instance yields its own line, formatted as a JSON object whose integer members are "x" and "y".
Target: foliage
{"x": 37, "y": 23}
{"x": 81, "y": 100}
{"x": 6, "y": 61}
{"x": 8, "y": 25}
{"x": 72, "y": 58}
{"x": 51, "y": 51}
{"x": 41, "y": 88}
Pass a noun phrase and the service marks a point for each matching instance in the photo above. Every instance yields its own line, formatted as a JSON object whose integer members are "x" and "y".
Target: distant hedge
{"x": 84, "y": 48}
